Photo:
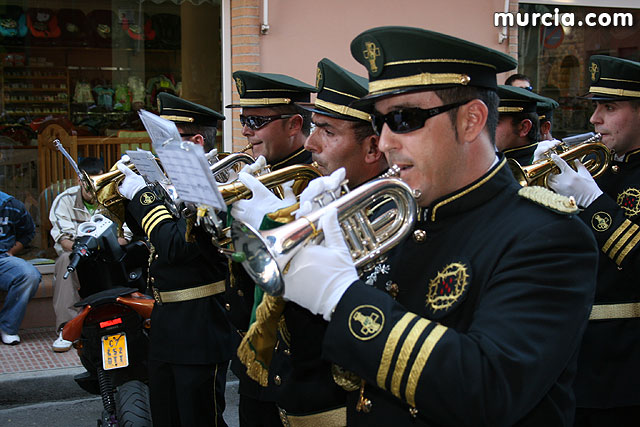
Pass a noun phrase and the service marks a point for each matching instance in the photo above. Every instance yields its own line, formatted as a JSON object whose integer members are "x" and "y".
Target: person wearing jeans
{"x": 17, "y": 277}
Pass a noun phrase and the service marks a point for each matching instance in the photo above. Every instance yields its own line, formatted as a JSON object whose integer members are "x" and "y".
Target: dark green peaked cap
{"x": 337, "y": 88}
{"x": 613, "y": 78}
{"x": 545, "y": 109}
{"x": 515, "y": 100}
{"x": 267, "y": 90}
{"x": 403, "y": 59}
{"x": 182, "y": 111}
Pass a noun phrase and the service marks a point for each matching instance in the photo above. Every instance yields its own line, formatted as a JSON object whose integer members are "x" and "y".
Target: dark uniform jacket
{"x": 523, "y": 155}
{"x": 240, "y": 298}
{"x": 493, "y": 295}
{"x": 186, "y": 332}
{"x": 608, "y": 365}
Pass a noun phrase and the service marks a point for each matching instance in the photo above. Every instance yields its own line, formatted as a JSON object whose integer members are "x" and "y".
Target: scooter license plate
{"x": 114, "y": 351}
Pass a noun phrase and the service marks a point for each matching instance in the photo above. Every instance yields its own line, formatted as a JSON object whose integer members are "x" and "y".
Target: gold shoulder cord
{"x": 152, "y": 252}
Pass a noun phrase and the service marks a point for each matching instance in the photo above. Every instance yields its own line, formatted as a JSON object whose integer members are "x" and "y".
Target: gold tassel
{"x": 256, "y": 349}
{"x": 188, "y": 234}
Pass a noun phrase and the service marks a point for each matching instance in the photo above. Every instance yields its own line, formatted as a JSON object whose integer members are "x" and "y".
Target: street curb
{"x": 50, "y": 385}
{"x": 17, "y": 389}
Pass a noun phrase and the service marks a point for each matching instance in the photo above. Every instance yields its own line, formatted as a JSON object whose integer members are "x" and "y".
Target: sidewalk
{"x": 34, "y": 353}
{"x": 32, "y": 372}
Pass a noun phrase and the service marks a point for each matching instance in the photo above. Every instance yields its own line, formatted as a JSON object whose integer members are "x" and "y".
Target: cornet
{"x": 599, "y": 158}
{"x": 300, "y": 174}
{"x": 268, "y": 253}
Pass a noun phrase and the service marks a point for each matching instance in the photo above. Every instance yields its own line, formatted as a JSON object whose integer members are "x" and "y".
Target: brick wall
{"x": 245, "y": 52}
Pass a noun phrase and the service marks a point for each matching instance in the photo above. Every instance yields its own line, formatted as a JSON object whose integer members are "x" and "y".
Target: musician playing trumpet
{"x": 608, "y": 379}
{"x": 476, "y": 319}
{"x": 276, "y": 129}
{"x": 344, "y": 146}
{"x": 190, "y": 342}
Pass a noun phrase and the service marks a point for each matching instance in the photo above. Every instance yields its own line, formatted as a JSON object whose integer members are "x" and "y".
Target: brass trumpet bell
{"x": 595, "y": 156}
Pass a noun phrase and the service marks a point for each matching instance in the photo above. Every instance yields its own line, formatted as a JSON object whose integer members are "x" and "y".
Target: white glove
{"x": 262, "y": 202}
{"x": 543, "y": 147}
{"x": 318, "y": 276}
{"x": 317, "y": 187}
{"x": 578, "y": 184}
{"x": 256, "y": 166}
{"x": 132, "y": 182}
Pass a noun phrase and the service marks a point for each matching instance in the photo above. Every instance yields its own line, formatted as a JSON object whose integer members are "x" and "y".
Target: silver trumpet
{"x": 222, "y": 164}
{"x": 265, "y": 255}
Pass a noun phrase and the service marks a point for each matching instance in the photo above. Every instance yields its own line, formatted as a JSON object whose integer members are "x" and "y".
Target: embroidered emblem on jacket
{"x": 601, "y": 221}
{"x": 379, "y": 269}
{"x": 629, "y": 200}
{"x": 147, "y": 198}
{"x": 366, "y": 321}
{"x": 447, "y": 287}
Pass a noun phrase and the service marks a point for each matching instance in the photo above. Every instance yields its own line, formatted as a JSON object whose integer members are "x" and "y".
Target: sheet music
{"x": 146, "y": 165}
{"x": 187, "y": 166}
{"x": 161, "y": 131}
{"x": 184, "y": 162}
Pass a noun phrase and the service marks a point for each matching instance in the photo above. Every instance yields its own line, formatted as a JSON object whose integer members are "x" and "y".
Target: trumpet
{"x": 300, "y": 174}
{"x": 598, "y": 157}
{"x": 226, "y": 163}
{"x": 265, "y": 255}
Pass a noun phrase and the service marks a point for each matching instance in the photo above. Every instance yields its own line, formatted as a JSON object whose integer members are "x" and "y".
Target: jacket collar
{"x": 477, "y": 193}
{"x": 632, "y": 157}
{"x": 298, "y": 157}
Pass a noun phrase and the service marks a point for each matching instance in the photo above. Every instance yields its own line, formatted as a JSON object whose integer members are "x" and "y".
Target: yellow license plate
{"x": 114, "y": 351}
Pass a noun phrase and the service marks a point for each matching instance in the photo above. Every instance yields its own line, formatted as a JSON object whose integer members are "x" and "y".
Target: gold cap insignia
{"x": 240, "y": 86}
{"x": 365, "y": 322}
{"x": 319, "y": 77}
{"x": 629, "y": 200}
{"x": 373, "y": 56}
{"x": 147, "y": 198}
{"x": 595, "y": 71}
{"x": 446, "y": 289}
{"x": 601, "y": 221}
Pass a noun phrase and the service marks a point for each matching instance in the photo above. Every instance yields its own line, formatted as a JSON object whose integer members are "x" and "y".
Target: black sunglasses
{"x": 407, "y": 120}
{"x": 256, "y": 122}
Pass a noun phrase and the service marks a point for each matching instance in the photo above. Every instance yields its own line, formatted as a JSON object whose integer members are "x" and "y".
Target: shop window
{"x": 555, "y": 58}
{"x": 88, "y": 67}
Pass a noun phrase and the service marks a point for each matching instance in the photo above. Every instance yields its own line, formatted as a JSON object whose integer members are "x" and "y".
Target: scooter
{"x": 111, "y": 332}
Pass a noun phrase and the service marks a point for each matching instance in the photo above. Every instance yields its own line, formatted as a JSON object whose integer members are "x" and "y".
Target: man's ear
{"x": 545, "y": 128}
{"x": 198, "y": 139}
{"x": 471, "y": 119}
{"x": 524, "y": 128}
{"x": 372, "y": 152}
{"x": 295, "y": 124}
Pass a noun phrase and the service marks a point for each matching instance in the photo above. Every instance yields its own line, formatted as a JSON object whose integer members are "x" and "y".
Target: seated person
{"x": 70, "y": 209}
{"x": 17, "y": 277}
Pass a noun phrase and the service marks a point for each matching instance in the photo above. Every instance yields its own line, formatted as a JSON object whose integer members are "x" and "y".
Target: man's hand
{"x": 578, "y": 184}
{"x": 132, "y": 182}
{"x": 318, "y": 276}
{"x": 317, "y": 187}
{"x": 542, "y": 149}
{"x": 255, "y": 167}
{"x": 67, "y": 244}
{"x": 262, "y": 201}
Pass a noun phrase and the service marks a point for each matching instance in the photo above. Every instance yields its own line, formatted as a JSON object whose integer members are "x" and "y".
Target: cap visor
{"x": 312, "y": 108}
{"x": 601, "y": 97}
{"x": 366, "y": 103}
